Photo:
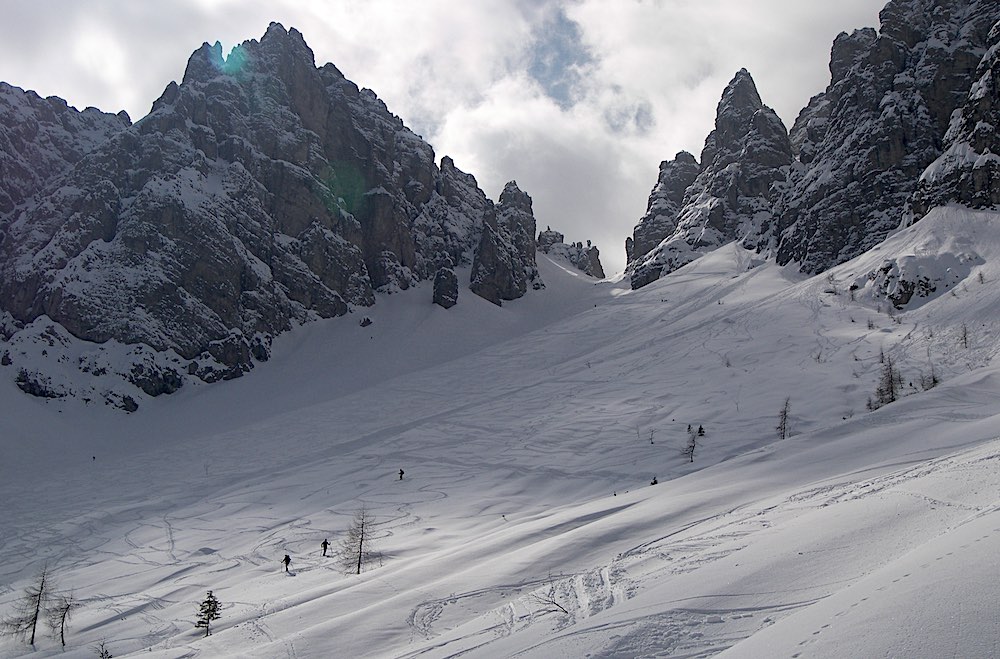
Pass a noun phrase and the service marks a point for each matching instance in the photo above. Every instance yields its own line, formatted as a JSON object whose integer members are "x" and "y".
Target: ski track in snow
{"x": 525, "y": 525}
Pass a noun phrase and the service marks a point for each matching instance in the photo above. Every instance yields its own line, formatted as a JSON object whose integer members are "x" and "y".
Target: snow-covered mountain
{"x": 737, "y": 459}
{"x": 529, "y": 434}
{"x": 42, "y": 138}
{"x": 732, "y": 195}
{"x": 859, "y": 148}
{"x": 260, "y": 193}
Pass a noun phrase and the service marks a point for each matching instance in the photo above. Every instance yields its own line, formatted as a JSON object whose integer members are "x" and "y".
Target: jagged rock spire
{"x": 731, "y": 196}
{"x": 663, "y": 205}
{"x": 504, "y": 266}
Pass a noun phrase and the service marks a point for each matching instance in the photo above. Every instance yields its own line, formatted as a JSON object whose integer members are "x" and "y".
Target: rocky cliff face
{"x": 732, "y": 195}
{"x": 42, "y": 138}
{"x": 664, "y": 205}
{"x": 865, "y": 141}
{"x": 260, "y": 193}
{"x": 968, "y": 172}
{"x": 504, "y": 266}
{"x": 586, "y": 259}
{"x": 842, "y": 179}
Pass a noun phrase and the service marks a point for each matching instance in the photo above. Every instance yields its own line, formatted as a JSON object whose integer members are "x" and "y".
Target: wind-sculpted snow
{"x": 526, "y": 524}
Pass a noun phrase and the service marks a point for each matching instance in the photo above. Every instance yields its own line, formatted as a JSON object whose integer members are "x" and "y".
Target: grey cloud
{"x": 577, "y": 100}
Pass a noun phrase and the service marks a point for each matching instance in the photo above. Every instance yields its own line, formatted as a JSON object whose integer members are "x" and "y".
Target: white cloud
{"x": 645, "y": 77}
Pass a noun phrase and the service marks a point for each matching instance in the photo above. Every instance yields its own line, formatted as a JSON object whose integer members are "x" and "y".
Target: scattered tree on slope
{"x": 356, "y": 549}
{"x": 208, "y": 611}
{"x": 24, "y": 622}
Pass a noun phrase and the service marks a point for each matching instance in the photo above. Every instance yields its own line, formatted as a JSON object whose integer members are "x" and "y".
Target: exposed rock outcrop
{"x": 446, "y": 288}
{"x": 504, "y": 266}
{"x": 968, "y": 172}
{"x": 733, "y": 194}
{"x": 865, "y": 141}
{"x": 586, "y": 259}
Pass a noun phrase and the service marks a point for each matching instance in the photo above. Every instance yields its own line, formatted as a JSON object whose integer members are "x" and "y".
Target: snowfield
{"x": 526, "y": 525}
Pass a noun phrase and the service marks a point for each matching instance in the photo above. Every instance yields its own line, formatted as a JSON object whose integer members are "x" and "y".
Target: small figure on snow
{"x": 287, "y": 561}
{"x": 654, "y": 481}
{"x": 324, "y": 545}
{"x": 701, "y": 431}
{"x": 400, "y": 474}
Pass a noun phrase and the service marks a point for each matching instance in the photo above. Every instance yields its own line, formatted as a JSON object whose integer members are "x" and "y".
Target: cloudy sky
{"x": 577, "y": 100}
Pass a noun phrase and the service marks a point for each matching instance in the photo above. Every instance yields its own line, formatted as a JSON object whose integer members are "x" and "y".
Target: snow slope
{"x": 525, "y": 524}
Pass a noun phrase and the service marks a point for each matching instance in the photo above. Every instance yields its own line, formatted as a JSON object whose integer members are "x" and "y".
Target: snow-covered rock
{"x": 586, "y": 259}
{"x": 260, "y": 193}
{"x": 41, "y": 138}
{"x": 504, "y": 266}
{"x": 663, "y": 206}
{"x": 446, "y": 288}
{"x": 968, "y": 172}
{"x": 864, "y": 142}
{"x": 731, "y": 197}
{"x": 859, "y": 148}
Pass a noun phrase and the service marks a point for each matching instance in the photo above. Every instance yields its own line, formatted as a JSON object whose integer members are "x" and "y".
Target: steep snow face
{"x": 968, "y": 172}
{"x": 865, "y": 141}
{"x": 260, "y": 193}
{"x": 731, "y": 197}
{"x": 525, "y": 524}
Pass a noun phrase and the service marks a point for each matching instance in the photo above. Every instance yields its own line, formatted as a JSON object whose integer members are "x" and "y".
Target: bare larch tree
{"x": 357, "y": 547}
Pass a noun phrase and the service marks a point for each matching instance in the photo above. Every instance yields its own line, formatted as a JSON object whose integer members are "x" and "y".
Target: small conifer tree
{"x": 207, "y": 612}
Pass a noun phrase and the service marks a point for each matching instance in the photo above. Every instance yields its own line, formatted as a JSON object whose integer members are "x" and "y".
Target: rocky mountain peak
{"x": 739, "y": 102}
{"x": 879, "y": 123}
{"x": 504, "y": 266}
{"x": 204, "y": 63}
{"x": 841, "y": 180}
{"x": 260, "y": 193}
{"x": 849, "y": 49}
{"x": 730, "y": 196}
{"x": 512, "y": 197}
{"x": 675, "y": 176}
